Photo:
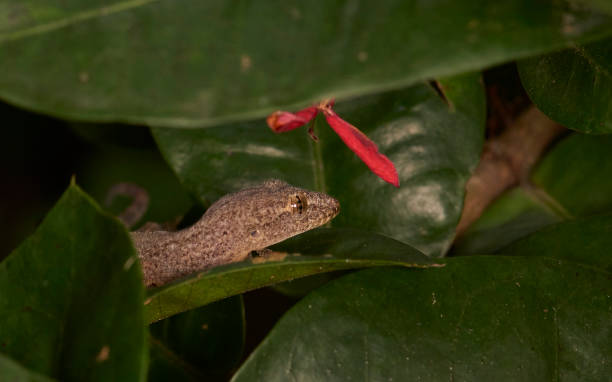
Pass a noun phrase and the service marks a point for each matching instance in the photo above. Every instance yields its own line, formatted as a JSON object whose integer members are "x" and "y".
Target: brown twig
{"x": 506, "y": 161}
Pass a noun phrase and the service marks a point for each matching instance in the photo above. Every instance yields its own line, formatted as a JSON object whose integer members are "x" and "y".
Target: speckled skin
{"x": 238, "y": 223}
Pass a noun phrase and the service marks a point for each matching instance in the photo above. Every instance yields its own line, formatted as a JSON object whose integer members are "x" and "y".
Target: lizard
{"x": 231, "y": 229}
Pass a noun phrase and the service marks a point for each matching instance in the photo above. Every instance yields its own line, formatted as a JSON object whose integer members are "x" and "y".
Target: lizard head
{"x": 271, "y": 212}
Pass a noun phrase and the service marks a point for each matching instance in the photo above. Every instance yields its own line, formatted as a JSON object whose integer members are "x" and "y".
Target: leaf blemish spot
{"x": 245, "y": 63}
{"x": 128, "y": 263}
{"x": 103, "y": 354}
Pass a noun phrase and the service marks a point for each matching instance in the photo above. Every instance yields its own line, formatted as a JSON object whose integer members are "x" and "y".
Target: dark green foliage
{"x": 409, "y": 74}
{"x": 478, "y": 318}
{"x": 71, "y": 301}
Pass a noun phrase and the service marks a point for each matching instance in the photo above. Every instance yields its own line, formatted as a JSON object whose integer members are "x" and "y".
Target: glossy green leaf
{"x": 317, "y": 251}
{"x": 476, "y": 319}
{"x": 201, "y": 344}
{"x": 434, "y": 144}
{"x": 14, "y": 372}
{"x": 71, "y": 297}
{"x": 586, "y": 240}
{"x": 577, "y": 175}
{"x": 574, "y": 86}
{"x": 512, "y": 216}
{"x": 573, "y": 180}
{"x": 161, "y": 62}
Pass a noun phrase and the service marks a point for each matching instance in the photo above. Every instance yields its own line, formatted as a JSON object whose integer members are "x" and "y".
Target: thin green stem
{"x": 547, "y": 200}
{"x": 317, "y": 161}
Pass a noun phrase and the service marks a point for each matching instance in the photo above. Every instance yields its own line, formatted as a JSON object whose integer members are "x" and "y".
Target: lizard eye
{"x": 298, "y": 203}
{"x": 252, "y": 232}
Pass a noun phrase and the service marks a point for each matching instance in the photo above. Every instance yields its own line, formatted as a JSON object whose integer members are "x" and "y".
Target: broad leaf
{"x": 477, "y": 318}
{"x": 577, "y": 175}
{"x": 161, "y": 62}
{"x": 434, "y": 144}
{"x": 513, "y": 215}
{"x": 71, "y": 297}
{"x": 586, "y": 240}
{"x": 574, "y": 86}
{"x": 201, "y": 344}
{"x": 314, "y": 252}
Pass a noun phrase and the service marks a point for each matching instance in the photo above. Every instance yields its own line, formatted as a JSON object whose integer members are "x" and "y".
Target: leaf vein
{"x": 73, "y": 19}
{"x": 592, "y": 61}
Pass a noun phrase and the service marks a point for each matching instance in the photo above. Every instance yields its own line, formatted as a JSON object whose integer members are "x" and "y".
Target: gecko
{"x": 231, "y": 229}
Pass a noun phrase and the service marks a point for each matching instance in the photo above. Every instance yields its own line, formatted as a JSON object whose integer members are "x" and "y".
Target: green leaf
{"x": 434, "y": 145}
{"x": 71, "y": 297}
{"x": 574, "y": 86}
{"x": 513, "y": 215}
{"x": 573, "y": 180}
{"x": 577, "y": 175}
{"x": 586, "y": 240}
{"x": 14, "y": 372}
{"x": 477, "y": 319}
{"x": 604, "y": 5}
{"x": 201, "y": 344}
{"x": 159, "y": 62}
{"x": 317, "y": 251}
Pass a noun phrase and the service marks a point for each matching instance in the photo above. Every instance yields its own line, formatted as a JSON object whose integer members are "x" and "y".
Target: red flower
{"x": 281, "y": 121}
{"x": 358, "y": 142}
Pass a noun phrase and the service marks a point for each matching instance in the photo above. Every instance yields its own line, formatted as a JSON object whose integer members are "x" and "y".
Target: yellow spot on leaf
{"x": 245, "y": 63}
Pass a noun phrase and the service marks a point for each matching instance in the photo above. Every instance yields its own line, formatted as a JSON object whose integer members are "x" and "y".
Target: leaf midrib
{"x": 73, "y": 19}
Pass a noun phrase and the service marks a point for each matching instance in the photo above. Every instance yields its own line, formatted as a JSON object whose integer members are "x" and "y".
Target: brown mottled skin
{"x": 234, "y": 226}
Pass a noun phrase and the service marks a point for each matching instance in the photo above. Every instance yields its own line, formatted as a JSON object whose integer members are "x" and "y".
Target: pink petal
{"x": 281, "y": 121}
{"x": 361, "y": 145}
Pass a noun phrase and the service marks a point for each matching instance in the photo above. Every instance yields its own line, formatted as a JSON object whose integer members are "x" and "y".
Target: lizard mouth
{"x": 336, "y": 208}
{"x": 321, "y": 209}
{"x": 332, "y": 207}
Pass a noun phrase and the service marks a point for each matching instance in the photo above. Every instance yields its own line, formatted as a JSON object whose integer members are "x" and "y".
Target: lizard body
{"x": 234, "y": 226}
